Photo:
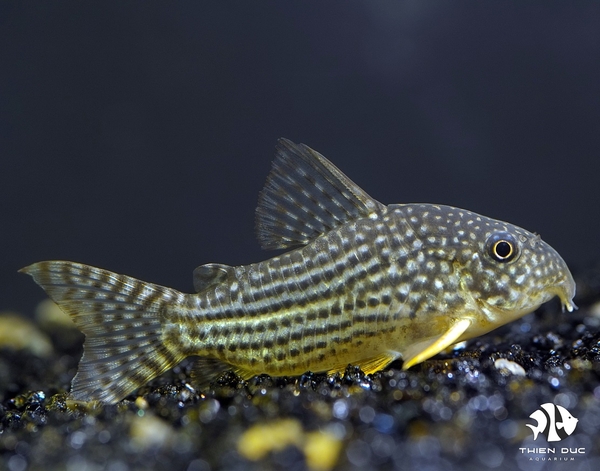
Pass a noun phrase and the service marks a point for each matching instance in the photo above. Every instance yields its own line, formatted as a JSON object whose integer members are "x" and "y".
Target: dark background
{"x": 136, "y": 135}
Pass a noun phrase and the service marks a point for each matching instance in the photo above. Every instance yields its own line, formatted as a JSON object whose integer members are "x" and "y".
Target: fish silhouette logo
{"x": 554, "y": 421}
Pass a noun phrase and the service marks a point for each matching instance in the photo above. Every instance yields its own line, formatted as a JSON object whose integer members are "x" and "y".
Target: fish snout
{"x": 565, "y": 290}
{"x": 559, "y": 280}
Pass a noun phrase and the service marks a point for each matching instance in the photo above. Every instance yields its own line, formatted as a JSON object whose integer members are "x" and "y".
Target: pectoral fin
{"x": 422, "y": 352}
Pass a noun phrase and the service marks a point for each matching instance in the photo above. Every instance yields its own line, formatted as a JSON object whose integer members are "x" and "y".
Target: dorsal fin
{"x": 211, "y": 274}
{"x": 306, "y": 195}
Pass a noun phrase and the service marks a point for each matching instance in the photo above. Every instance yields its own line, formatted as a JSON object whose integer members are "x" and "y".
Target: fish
{"x": 547, "y": 421}
{"x": 358, "y": 283}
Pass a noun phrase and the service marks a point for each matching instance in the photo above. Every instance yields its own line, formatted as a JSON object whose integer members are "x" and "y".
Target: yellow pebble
{"x": 322, "y": 450}
{"x": 50, "y": 316}
{"x": 256, "y": 442}
{"x": 141, "y": 403}
{"x": 150, "y": 431}
{"x": 581, "y": 364}
{"x": 18, "y": 333}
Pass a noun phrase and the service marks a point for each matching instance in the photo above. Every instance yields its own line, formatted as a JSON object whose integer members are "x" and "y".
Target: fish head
{"x": 507, "y": 270}
{"x": 569, "y": 422}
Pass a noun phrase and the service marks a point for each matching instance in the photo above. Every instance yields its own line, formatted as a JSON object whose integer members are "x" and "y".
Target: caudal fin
{"x": 121, "y": 318}
{"x": 534, "y": 429}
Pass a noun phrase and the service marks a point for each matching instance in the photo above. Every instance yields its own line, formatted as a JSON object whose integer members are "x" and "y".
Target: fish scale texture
{"x": 366, "y": 284}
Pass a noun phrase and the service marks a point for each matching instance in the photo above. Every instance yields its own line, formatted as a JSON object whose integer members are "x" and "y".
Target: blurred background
{"x": 135, "y": 136}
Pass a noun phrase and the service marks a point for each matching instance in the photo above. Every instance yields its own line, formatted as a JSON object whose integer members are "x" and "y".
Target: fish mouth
{"x": 565, "y": 291}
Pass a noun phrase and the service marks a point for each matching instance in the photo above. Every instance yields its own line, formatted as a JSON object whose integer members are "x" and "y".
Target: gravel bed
{"x": 466, "y": 409}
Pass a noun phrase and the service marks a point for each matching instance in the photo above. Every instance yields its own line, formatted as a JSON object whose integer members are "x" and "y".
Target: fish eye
{"x": 502, "y": 247}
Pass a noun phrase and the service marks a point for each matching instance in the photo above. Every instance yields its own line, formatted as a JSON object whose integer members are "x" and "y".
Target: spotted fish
{"x": 363, "y": 283}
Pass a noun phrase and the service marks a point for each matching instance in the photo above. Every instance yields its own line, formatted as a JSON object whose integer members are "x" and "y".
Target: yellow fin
{"x": 439, "y": 344}
{"x": 377, "y": 363}
{"x": 369, "y": 365}
{"x": 244, "y": 373}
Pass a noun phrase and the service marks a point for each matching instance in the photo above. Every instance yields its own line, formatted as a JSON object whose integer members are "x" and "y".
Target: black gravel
{"x": 457, "y": 411}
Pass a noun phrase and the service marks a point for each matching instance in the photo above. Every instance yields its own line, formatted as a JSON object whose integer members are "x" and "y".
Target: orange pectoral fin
{"x": 427, "y": 350}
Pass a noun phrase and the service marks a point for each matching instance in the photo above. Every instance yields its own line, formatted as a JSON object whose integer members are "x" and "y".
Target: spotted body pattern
{"x": 367, "y": 284}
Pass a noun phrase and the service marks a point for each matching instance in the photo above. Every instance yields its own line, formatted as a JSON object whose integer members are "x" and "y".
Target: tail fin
{"x": 121, "y": 318}
{"x": 534, "y": 429}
